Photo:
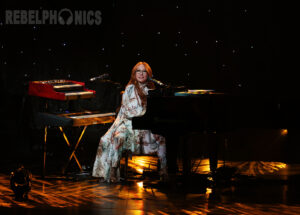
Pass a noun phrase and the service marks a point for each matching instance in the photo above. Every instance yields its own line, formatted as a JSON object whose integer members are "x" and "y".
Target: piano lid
{"x": 60, "y": 89}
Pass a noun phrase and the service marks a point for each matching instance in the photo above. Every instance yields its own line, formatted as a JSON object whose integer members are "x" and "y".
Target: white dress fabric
{"x": 122, "y": 137}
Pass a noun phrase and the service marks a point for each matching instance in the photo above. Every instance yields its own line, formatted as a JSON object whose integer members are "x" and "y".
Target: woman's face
{"x": 141, "y": 74}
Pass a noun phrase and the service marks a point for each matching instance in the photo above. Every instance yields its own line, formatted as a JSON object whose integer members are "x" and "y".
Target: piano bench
{"x": 146, "y": 171}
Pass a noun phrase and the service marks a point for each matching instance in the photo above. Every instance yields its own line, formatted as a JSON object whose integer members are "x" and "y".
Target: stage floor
{"x": 259, "y": 188}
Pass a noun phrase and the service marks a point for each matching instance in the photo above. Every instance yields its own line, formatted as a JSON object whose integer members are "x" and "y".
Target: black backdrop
{"x": 232, "y": 46}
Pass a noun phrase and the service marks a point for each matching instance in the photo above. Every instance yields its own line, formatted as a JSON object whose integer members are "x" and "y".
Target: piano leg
{"x": 44, "y": 152}
{"x": 210, "y": 141}
{"x": 172, "y": 142}
{"x": 214, "y": 141}
{"x": 175, "y": 145}
{"x": 186, "y": 159}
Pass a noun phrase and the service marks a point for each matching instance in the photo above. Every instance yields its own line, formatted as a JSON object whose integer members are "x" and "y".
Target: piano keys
{"x": 60, "y": 89}
{"x": 76, "y": 119}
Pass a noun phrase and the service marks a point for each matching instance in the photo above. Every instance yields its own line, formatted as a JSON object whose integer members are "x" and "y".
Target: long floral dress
{"x": 121, "y": 136}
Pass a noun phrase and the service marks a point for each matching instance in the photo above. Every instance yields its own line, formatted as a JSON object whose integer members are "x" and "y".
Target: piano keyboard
{"x": 60, "y": 90}
{"x": 69, "y": 86}
{"x": 93, "y": 119}
{"x": 93, "y": 115}
{"x": 78, "y": 95}
{"x": 75, "y": 119}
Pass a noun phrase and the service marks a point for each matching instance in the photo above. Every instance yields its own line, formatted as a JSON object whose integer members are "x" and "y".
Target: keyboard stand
{"x": 73, "y": 152}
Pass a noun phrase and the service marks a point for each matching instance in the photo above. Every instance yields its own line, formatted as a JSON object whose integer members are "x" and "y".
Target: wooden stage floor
{"x": 258, "y": 188}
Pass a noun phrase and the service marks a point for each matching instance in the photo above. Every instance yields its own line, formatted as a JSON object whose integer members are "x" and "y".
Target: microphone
{"x": 156, "y": 82}
{"x": 105, "y": 75}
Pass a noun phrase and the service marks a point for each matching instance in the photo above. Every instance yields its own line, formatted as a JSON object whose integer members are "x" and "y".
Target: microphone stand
{"x": 164, "y": 89}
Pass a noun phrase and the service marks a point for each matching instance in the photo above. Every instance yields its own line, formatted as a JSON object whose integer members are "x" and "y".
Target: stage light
{"x": 140, "y": 184}
{"x": 20, "y": 183}
{"x": 283, "y": 132}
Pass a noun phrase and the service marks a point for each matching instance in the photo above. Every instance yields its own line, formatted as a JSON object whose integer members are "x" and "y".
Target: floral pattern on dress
{"x": 122, "y": 137}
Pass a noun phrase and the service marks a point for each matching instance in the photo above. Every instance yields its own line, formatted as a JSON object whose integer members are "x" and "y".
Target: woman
{"x": 121, "y": 136}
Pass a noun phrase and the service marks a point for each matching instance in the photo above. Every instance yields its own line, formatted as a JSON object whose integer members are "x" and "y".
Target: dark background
{"x": 231, "y": 46}
{"x": 220, "y": 44}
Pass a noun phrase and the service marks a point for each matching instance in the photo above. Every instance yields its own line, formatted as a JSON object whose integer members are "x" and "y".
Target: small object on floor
{"x": 20, "y": 183}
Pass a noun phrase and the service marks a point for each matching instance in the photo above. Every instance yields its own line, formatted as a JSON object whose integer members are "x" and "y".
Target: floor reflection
{"x": 263, "y": 192}
{"x": 201, "y": 166}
